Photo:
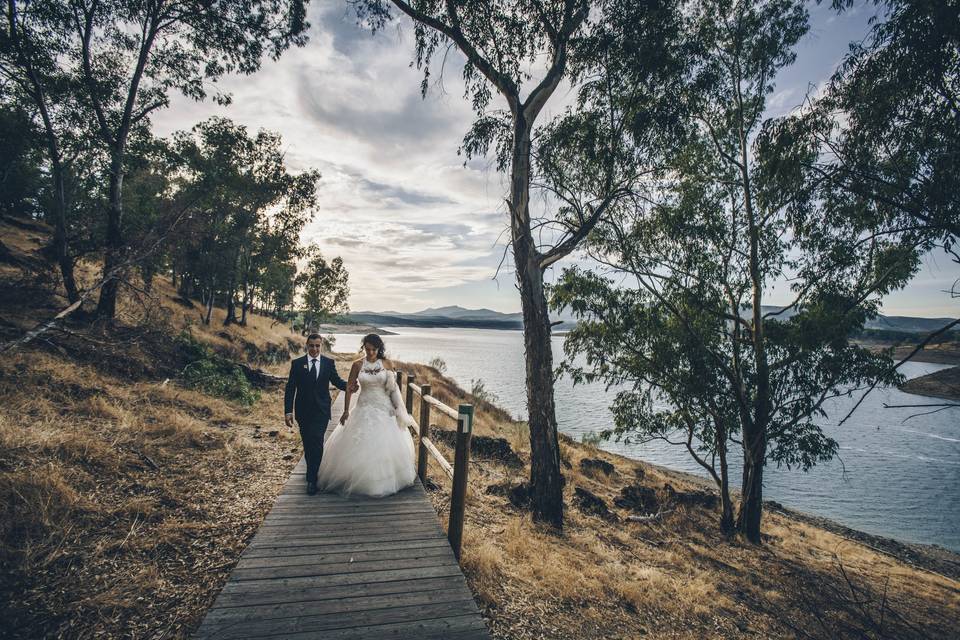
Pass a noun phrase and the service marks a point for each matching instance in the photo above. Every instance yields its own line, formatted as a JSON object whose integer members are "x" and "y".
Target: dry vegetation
{"x": 674, "y": 576}
{"x": 127, "y": 499}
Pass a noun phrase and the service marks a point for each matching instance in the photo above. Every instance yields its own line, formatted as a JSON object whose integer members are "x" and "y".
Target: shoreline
{"x": 943, "y": 384}
{"x": 930, "y": 557}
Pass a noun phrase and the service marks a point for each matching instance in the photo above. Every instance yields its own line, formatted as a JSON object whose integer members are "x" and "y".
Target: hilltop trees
{"x": 110, "y": 65}
{"x": 240, "y": 242}
{"x": 325, "y": 291}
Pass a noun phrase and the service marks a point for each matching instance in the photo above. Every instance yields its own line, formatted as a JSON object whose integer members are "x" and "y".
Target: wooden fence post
{"x": 410, "y": 378}
{"x": 461, "y": 461}
{"x": 422, "y": 456}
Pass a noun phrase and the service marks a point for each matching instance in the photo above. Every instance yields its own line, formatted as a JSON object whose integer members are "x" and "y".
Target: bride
{"x": 370, "y": 452}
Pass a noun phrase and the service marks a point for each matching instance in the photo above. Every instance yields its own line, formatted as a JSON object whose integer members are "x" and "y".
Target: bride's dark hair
{"x": 375, "y": 341}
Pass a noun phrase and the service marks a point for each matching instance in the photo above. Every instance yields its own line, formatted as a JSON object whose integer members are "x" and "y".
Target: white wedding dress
{"x": 372, "y": 453}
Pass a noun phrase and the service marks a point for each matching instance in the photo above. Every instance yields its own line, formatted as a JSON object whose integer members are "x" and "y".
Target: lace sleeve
{"x": 404, "y": 419}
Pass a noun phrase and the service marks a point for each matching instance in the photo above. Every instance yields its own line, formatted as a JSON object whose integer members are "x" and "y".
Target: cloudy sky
{"x": 414, "y": 226}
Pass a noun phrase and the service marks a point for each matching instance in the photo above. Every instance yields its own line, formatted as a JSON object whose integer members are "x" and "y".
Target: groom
{"x": 307, "y": 396}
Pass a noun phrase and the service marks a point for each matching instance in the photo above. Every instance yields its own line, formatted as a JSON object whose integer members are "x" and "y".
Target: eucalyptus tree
{"x": 682, "y": 313}
{"x": 129, "y": 55}
{"x": 518, "y": 52}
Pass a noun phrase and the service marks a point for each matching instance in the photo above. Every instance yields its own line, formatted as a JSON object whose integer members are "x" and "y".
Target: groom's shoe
{"x": 311, "y": 488}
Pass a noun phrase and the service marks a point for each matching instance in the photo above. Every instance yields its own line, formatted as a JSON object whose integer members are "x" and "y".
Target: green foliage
{"x": 20, "y": 175}
{"x": 884, "y": 135}
{"x": 214, "y": 375}
{"x": 678, "y": 316}
{"x": 326, "y": 289}
{"x": 246, "y": 211}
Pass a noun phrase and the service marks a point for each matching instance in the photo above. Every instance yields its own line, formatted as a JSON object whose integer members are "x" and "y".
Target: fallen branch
{"x": 652, "y": 517}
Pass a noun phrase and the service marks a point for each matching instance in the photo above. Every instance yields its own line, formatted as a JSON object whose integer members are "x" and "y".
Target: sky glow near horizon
{"x": 416, "y": 227}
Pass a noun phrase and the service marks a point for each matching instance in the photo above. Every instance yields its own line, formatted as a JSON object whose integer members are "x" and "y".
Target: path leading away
{"x": 330, "y": 567}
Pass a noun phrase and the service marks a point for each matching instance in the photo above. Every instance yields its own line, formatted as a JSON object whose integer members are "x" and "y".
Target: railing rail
{"x": 457, "y": 472}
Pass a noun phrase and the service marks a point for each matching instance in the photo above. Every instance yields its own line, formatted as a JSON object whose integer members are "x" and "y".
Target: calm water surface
{"x": 892, "y": 478}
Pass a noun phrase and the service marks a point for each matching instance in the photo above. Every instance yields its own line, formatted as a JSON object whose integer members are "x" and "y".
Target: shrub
{"x": 214, "y": 375}
{"x": 439, "y": 364}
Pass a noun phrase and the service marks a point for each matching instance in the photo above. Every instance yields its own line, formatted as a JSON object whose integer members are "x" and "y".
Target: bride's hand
{"x": 343, "y": 418}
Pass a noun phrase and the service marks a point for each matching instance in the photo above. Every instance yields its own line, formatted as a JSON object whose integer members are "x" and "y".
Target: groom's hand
{"x": 354, "y": 386}
{"x": 288, "y": 419}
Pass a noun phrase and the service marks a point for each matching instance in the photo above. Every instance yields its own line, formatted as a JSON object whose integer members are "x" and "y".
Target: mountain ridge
{"x": 483, "y": 318}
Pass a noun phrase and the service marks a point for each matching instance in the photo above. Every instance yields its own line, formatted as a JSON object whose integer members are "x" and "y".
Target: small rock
{"x": 591, "y": 465}
{"x": 273, "y": 434}
{"x": 518, "y": 495}
{"x": 591, "y": 504}
{"x": 637, "y": 498}
{"x": 691, "y": 498}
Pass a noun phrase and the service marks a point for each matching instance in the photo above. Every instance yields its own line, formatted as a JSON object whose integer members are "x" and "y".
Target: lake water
{"x": 892, "y": 478}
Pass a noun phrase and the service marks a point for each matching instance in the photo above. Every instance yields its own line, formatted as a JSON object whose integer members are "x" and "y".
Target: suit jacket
{"x": 309, "y": 398}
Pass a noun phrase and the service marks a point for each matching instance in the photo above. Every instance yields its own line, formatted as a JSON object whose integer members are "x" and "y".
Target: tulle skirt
{"x": 368, "y": 455}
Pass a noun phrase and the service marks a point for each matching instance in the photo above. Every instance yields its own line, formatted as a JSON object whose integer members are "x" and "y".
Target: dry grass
{"x": 127, "y": 500}
{"x": 676, "y": 577}
{"x": 124, "y": 503}
{"x": 124, "y": 499}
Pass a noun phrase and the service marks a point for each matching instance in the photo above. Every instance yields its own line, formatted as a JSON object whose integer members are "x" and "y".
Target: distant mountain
{"x": 473, "y": 314}
{"x": 449, "y": 316}
{"x": 457, "y": 316}
{"x": 890, "y": 323}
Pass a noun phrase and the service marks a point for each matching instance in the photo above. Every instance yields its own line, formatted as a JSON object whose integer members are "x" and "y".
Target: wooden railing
{"x": 457, "y": 472}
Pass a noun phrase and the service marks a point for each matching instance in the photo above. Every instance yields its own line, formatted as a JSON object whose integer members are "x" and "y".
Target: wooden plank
{"x": 340, "y": 541}
{"x": 308, "y": 549}
{"x": 335, "y": 515}
{"x": 335, "y": 568}
{"x": 281, "y": 596}
{"x": 323, "y": 622}
{"x": 347, "y": 555}
{"x": 315, "y": 607}
{"x": 322, "y": 582}
{"x": 376, "y": 528}
{"x": 442, "y": 408}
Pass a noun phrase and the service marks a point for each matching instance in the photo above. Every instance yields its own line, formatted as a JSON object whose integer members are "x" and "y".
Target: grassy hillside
{"x": 129, "y": 489}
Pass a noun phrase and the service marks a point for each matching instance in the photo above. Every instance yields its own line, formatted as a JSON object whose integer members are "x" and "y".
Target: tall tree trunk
{"x": 231, "y": 315}
{"x": 755, "y": 431}
{"x": 245, "y": 305}
{"x": 751, "y": 504}
{"x": 727, "y": 525}
{"x": 546, "y": 480}
{"x": 209, "y": 313}
{"x": 60, "y": 244}
{"x": 113, "y": 256}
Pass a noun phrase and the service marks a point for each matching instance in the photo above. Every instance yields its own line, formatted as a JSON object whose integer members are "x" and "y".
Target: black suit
{"x": 308, "y": 397}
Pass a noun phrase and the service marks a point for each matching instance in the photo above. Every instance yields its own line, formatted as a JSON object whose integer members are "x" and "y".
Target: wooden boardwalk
{"x": 330, "y": 567}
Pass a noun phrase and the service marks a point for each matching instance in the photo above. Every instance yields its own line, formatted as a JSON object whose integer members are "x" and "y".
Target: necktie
{"x": 313, "y": 369}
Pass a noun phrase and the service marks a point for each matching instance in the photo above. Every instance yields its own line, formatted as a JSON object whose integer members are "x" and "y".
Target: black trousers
{"x": 312, "y": 430}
